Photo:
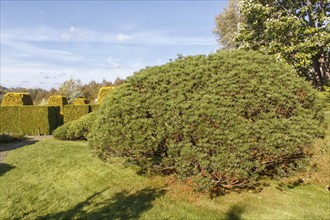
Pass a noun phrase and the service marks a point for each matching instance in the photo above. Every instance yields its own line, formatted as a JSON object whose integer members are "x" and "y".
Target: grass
{"x": 62, "y": 180}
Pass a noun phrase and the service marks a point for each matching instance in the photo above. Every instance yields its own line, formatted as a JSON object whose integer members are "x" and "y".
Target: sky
{"x": 44, "y": 43}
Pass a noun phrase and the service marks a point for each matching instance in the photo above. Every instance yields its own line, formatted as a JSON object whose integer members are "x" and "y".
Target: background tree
{"x": 227, "y": 25}
{"x": 71, "y": 89}
{"x": 297, "y": 31}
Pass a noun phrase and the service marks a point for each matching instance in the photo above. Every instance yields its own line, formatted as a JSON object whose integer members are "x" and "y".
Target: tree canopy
{"x": 227, "y": 25}
{"x": 296, "y": 31}
{"x": 71, "y": 89}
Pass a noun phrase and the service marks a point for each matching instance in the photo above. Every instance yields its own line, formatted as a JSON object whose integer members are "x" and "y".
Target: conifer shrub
{"x": 60, "y": 132}
{"x": 16, "y": 99}
{"x": 80, "y": 101}
{"x": 325, "y": 97}
{"x": 77, "y": 129}
{"x": 224, "y": 120}
{"x": 104, "y": 92}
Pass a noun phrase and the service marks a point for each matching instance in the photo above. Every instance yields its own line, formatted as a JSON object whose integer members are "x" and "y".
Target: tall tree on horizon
{"x": 296, "y": 31}
{"x": 227, "y": 25}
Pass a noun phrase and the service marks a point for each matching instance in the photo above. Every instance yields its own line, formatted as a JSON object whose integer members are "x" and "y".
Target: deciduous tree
{"x": 71, "y": 89}
{"x": 297, "y": 31}
{"x": 227, "y": 25}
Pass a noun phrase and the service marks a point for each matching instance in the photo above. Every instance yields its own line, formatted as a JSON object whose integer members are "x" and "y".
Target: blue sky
{"x": 44, "y": 43}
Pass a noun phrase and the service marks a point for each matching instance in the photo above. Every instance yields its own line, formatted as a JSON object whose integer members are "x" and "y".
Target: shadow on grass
{"x": 16, "y": 144}
{"x": 121, "y": 206}
{"x": 4, "y": 168}
{"x": 234, "y": 213}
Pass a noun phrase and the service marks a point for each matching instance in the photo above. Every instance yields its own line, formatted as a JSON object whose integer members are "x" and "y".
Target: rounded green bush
{"x": 224, "y": 120}
{"x": 60, "y": 132}
{"x": 77, "y": 129}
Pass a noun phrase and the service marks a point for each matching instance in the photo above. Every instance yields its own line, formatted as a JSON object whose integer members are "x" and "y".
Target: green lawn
{"x": 62, "y": 180}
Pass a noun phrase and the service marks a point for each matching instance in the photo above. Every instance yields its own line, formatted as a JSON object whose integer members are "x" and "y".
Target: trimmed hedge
{"x": 103, "y": 92}
{"x": 9, "y": 119}
{"x": 30, "y": 120}
{"x": 80, "y": 101}
{"x": 93, "y": 107}
{"x": 57, "y": 100}
{"x": 16, "y": 99}
{"x": 73, "y": 112}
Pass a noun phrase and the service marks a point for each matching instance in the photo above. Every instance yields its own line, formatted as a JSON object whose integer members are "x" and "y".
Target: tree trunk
{"x": 317, "y": 71}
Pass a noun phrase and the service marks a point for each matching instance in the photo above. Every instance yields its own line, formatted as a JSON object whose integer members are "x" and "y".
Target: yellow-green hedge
{"x": 9, "y": 119}
{"x": 103, "y": 92}
{"x": 57, "y": 100}
{"x": 73, "y": 112}
{"x": 80, "y": 101}
{"x": 16, "y": 99}
{"x": 93, "y": 107}
{"x": 30, "y": 120}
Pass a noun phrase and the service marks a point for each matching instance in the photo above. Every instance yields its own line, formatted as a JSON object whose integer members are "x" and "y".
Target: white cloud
{"x": 73, "y": 29}
{"x": 78, "y": 35}
{"x": 65, "y": 36}
{"x": 122, "y": 37}
{"x": 114, "y": 63}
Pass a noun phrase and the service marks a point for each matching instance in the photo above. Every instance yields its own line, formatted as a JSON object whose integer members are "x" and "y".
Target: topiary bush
{"x": 223, "y": 120}
{"x": 57, "y": 100}
{"x": 77, "y": 129}
{"x": 73, "y": 112}
{"x": 16, "y": 99}
{"x": 80, "y": 101}
{"x": 104, "y": 92}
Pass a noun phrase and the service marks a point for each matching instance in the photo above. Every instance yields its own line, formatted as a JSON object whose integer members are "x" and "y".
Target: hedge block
{"x": 103, "y": 92}
{"x": 30, "y": 120}
{"x": 93, "y": 107}
{"x": 80, "y": 101}
{"x": 73, "y": 112}
{"x": 16, "y": 99}
{"x": 58, "y": 100}
{"x": 9, "y": 119}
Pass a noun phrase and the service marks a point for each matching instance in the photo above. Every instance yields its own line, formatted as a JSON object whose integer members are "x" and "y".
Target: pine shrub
{"x": 77, "y": 129}
{"x": 224, "y": 120}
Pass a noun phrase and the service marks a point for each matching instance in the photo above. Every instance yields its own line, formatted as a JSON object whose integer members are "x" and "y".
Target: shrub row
{"x": 73, "y": 112}
{"x": 80, "y": 101}
{"x": 58, "y": 100}
{"x": 30, "y": 120}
